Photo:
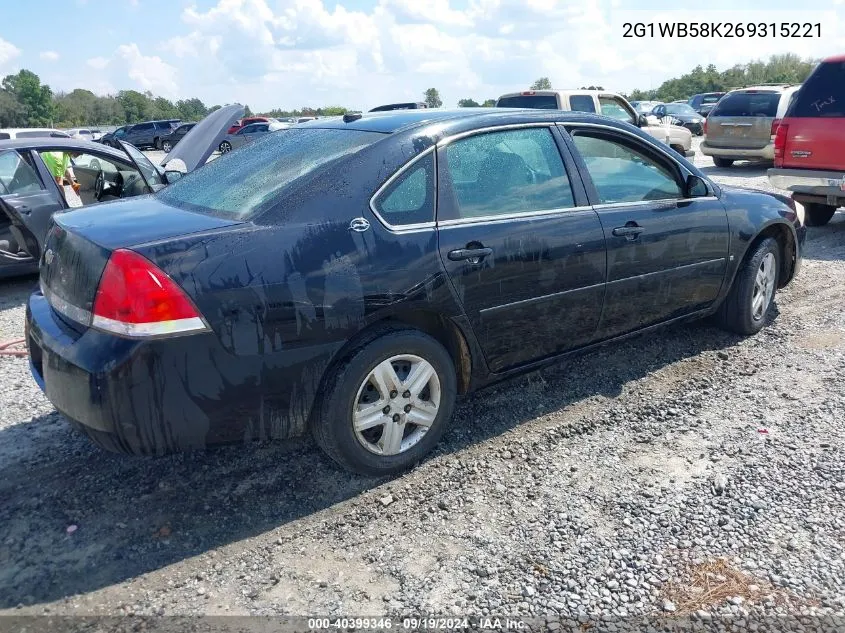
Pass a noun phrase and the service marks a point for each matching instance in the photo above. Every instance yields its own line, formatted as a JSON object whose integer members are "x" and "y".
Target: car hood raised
{"x": 203, "y": 139}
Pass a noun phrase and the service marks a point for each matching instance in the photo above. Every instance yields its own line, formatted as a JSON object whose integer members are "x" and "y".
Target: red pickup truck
{"x": 810, "y": 144}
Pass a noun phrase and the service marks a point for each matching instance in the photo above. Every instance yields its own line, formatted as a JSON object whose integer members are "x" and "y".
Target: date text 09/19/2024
{"x": 416, "y": 624}
{"x": 722, "y": 29}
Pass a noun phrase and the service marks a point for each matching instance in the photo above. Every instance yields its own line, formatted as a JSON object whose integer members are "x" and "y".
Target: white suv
{"x": 600, "y": 102}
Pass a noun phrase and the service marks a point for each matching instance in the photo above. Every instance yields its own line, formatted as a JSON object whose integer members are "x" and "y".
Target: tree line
{"x": 779, "y": 69}
{"x": 26, "y": 102}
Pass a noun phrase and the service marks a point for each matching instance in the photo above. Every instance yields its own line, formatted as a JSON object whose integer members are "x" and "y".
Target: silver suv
{"x": 742, "y": 124}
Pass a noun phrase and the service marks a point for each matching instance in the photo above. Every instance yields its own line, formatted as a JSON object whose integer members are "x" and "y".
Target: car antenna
{"x": 351, "y": 116}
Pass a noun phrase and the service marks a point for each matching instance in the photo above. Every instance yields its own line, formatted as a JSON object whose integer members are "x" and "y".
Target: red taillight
{"x": 780, "y": 143}
{"x": 775, "y": 123}
{"x": 137, "y": 299}
{"x": 528, "y": 93}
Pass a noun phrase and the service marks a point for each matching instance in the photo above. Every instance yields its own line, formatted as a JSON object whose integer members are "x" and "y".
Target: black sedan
{"x": 29, "y": 195}
{"x": 353, "y": 276}
{"x": 169, "y": 141}
{"x": 681, "y": 114}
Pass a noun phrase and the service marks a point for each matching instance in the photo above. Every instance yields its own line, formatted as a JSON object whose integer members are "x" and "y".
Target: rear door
{"x": 743, "y": 119}
{"x": 25, "y": 199}
{"x": 666, "y": 253}
{"x": 816, "y": 134}
{"x": 525, "y": 256}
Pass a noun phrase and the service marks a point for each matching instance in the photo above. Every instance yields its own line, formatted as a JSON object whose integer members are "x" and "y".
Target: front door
{"x": 524, "y": 255}
{"x": 27, "y": 202}
{"x": 666, "y": 253}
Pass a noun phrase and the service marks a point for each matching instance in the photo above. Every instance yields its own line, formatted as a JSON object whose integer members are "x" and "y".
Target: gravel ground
{"x": 683, "y": 471}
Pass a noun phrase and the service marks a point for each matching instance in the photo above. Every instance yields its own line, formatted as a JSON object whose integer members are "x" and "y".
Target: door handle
{"x": 23, "y": 209}
{"x": 630, "y": 231}
{"x": 474, "y": 255}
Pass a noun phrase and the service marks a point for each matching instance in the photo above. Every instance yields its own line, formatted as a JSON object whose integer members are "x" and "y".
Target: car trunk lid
{"x": 79, "y": 244}
{"x": 743, "y": 120}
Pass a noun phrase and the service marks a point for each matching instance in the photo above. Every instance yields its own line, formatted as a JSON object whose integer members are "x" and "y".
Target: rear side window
{"x": 251, "y": 180}
{"x": 410, "y": 198}
{"x": 16, "y": 175}
{"x": 36, "y": 134}
{"x": 710, "y": 99}
{"x": 512, "y": 171}
{"x": 582, "y": 103}
{"x": 763, "y": 104}
{"x": 823, "y": 94}
{"x": 4, "y": 136}
{"x": 539, "y": 102}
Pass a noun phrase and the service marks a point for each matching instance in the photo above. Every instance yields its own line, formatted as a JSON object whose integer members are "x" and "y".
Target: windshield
{"x": 679, "y": 108}
{"x": 751, "y": 104}
{"x": 248, "y": 181}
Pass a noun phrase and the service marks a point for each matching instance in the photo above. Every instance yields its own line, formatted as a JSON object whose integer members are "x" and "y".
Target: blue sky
{"x": 359, "y": 53}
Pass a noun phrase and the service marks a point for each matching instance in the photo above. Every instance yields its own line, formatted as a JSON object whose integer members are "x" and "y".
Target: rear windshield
{"x": 710, "y": 99}
{"x": 250, "y": 180}
{"x": 823, "y": 94}
{"x": 540, "y": 102}
{"x": 763, "y": 104}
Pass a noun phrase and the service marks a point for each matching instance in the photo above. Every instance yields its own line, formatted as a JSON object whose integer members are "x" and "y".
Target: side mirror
{"x": 172, "y": 176}
{"x": 696, "y": 187}
{"x": 642, "y": 121}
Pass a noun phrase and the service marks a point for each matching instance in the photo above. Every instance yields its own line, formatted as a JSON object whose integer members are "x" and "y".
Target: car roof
{"x": 44, "y": 142}
{"x": 29, "y": 129}
{"x": 447, "y": 121}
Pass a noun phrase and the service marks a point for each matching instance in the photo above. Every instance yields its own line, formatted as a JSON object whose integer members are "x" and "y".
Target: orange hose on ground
{"x": 20, "y": 353}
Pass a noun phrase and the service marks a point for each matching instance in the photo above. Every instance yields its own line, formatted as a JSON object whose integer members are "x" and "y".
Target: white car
{"x": 10, "y": 133}
{"x": 81, "y": 133}
{"x": 600, "y": 102}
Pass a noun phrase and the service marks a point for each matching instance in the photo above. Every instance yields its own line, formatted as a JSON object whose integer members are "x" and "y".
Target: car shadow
{"x": 740, "y": 169}
{"x": 134, "y": 515}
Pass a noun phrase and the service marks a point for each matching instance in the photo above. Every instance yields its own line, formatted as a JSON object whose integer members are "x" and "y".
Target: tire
{"x": 156, "y": 143}
{"x": 350, "y": 385}
{"x": 740, "y": 313}
{"x": 166, "y": 146}
{"x": 225, "y": 146}
{"x": 722, "y": 162}
{"x": 818, "y": 214}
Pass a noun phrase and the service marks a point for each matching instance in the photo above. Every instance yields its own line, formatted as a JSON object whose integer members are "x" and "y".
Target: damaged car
{"x": 30, "y": 195}
{"x": 351, "y": 278}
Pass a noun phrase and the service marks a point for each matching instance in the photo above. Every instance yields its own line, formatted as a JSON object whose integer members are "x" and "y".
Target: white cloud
{"x": 98, "y": 63}
{"x": 148, "y": 72}
{"x": 291, "y": 53}
{"x": 8, "y": 52}
{"x": 49, "y": 56}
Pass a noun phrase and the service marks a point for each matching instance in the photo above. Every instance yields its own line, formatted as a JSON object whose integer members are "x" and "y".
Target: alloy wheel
{"x": 396, "y": 404}
{"x": 764, "y": 287}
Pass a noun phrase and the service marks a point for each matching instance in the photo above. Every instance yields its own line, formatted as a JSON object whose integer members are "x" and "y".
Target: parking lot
{"x": 612, "y": 484}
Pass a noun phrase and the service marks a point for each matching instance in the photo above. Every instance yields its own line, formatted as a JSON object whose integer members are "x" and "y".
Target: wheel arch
{"x": 784, "y": 234}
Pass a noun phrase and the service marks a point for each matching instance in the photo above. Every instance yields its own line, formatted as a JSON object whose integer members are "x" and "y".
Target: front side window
{"x": 241, "y": 184}
{"x": 16, "y": 175}
{"x": 582, "y": 103}
{"x": 512, "y": 171}
{"x": 624, "y": 170}
{"x": 116, "y": 178}
{"x": 410, "y": 198}
{"x": 613, "y": 108}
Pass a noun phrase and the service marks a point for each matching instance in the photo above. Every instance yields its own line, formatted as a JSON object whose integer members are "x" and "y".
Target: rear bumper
{"x": 739, "y": 153}
{"x": 817, "y": 183}
{"x": 157, "y": 397}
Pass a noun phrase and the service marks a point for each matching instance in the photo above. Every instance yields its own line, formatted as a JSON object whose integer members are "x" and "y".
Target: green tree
{"x": 489, "y": 103}
{"x": 542, "y": 83}
{"x": 332, "y": 111}
{"x": 12, "y": 113}
{"x": 136, "y": 106}
{"x": 468, "y": 103}
{"x": 191, "y": 109}
{"x": 247, "y": 111}
{"x": 37, "y": 100}
{"x": 432, "y": 98}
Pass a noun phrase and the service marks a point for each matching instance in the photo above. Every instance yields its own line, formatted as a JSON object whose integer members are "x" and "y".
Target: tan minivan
{"x": 742, "y": 124}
